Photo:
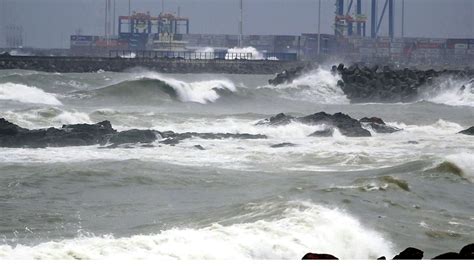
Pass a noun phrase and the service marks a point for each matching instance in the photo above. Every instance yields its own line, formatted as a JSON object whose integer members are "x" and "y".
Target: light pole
{"x": 319, "y": 27}
{"x": 403, "y": 18}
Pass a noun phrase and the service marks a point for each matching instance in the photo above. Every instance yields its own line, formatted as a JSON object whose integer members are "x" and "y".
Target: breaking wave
{"x": 26, "y": 94}
{"x": 451, "y": 92}
{"x": 300, "y": 228}
{"x": 45, "y": 117}
{"x": 318, "y": 86}
{"x": 149, "y": 86}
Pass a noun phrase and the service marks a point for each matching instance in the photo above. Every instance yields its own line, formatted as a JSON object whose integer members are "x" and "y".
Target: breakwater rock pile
{"x": 411, "y": 253}
{"x": 162, "y": 65}
{"x": 380, "y": 84}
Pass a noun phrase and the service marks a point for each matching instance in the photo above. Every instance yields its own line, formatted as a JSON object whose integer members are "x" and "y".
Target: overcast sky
{"x": 49, "y": 23}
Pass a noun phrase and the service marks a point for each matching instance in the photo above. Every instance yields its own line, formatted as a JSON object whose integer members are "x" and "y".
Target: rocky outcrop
{"x": 378, "y": 125}
{"x": 287, "y": 76}
{"x": 411, "y": 253}
{"x": 469, "y": 131}
{"x": 347, "y": 125}
{"x": 13, "y": 136}
{"x": 380, "y": 84}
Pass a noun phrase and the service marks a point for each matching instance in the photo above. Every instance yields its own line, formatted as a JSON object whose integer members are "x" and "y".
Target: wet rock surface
{"x": 347, "y": 125}
{"x": 469, "y": 131}
{"x": 411, "y": 253}
{"x": 102, "y": 133}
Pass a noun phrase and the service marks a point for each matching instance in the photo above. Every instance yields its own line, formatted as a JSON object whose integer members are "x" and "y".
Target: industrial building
{"x": 168, "y": 34}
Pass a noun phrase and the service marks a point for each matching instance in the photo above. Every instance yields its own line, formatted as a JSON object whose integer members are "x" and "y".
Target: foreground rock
{"x": 13, "y": 136}
{"x": 469, "y": 131}
{"x": 411, "y": 253}
{"x": 380, "y": 84}
{"x": 347, "y": 125}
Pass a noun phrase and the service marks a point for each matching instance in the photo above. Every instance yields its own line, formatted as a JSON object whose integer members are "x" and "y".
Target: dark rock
{"x": 199, "y": 147}
{"x": 347, "y": 125}
{"x": 7, "y": 128}
{"x": 409, "y": 254}
{"x": 467, "y": 252}
{"x": 323, "y": 133}
{"x": 382, "y": 258}
{"x": 284, "y": 144}
{"x": 13, "y": 136}
{"x": 372, "y": 120}
{"x": 413, "y": 142}
{"x": 278, "y": 120}
{"x": 469, "y": 131}
{"x": 448, "y": 256}
{"x": 170, "y": 141}
{"x": 134, "y": 136}
{"x": 378, "y": 125}
{"x": 315, "y": 256}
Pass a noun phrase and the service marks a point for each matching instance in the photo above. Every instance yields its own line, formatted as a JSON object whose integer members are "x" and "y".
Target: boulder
{"x": 278, "y": 120}
{"x": 284, "y": 144}
{"x": 467, "y": 252}
{"x": 448, "y": 256}
{"x": 469, "y": 131}
{"x": 378, "y": 125}
{"x": 347, "y": 125}
{"x": 409, "y": 254}
{"x": 315, "y": 256}
{"x": 323, "y": 133}
{"x": 134, "y": 136}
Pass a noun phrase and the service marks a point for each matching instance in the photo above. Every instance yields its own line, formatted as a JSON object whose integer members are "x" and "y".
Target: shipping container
{"x": 397, "y": 45}
{"x": 428, "y": 45}
{"x": 366, "y": 51}
{"x": 383, "y": 45}
{"x": 460, "y": 46}
{"x": 470, "y": 51}
{"x": 396, "y": 50}
{"x": 439, "y": 41}
{"x": 459, "y": 51}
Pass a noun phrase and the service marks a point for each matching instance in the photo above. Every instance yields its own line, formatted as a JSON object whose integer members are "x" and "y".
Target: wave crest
{"x": 152, "y": 85}
{"x": 302, "y": 227}
{"x": 26, "y": 94}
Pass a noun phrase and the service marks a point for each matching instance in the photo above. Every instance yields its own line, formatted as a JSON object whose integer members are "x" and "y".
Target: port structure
{"x": 144, "y": 23}
{"x": 345, "y": 19}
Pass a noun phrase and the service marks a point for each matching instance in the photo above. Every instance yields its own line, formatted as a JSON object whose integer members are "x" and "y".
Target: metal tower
{"x": 375, "y": 25}
{"x": 344, "y": 21}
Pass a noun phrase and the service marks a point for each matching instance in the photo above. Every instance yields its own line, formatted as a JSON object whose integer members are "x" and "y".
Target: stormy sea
{"x": 277, "y": 197}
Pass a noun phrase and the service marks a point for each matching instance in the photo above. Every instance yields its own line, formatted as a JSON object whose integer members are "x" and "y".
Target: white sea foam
{"x": 302, "y": 227}
{"x": 45, "y": 117}
{"x": 450, "y": 92}
{"x": 26, "y": 94}
{"x": 465, "y": 162}
{"x": 241, "y": 53}
{"x": 205, "y": 50}
{"x": 316, "y": 86}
